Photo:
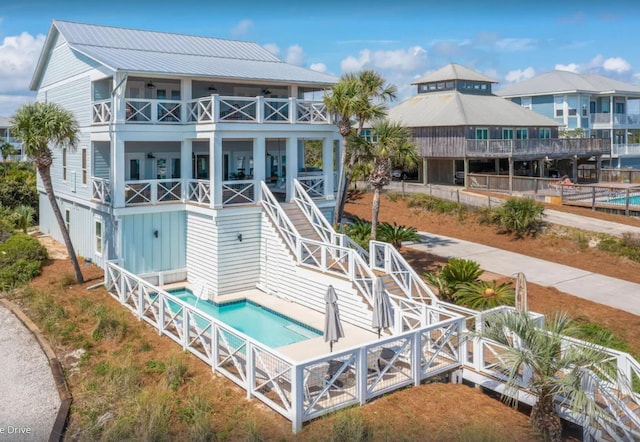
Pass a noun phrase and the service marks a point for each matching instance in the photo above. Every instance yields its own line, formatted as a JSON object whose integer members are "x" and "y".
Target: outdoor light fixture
{"x": 212, "y": 88}
{"x": 150, "y": 85}
{"x": 150, "y": 156}
{"x": 155, "y": 233}
{"x": 266, "y": 91}
{"x": 239, "y": 237}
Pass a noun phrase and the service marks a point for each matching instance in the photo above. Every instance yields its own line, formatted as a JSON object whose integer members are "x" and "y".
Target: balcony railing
{"x": 214, "y": 109}
{"x": 101, "y": 190}
{"x": 238, "y": 192}
{"x": 199, "y": 191}
{"x": 554, "y": 146}
{"x": 625, "y": 149}
{"x": 152, "y": 192}
{"x": 616, "y": 119}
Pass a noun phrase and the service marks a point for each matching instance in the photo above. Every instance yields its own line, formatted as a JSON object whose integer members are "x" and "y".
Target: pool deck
{"x": 309, "y": 348}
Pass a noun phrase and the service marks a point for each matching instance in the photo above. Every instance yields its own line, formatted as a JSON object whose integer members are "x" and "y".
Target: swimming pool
{"x": 260, "y": 323}
{"x": 633, "y": 200}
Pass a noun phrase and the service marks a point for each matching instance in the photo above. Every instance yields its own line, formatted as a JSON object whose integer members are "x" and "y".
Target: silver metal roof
{"x": 452, "y": 108}
{"x": 5, "y": 122}
{"x": 454, "y": 71}
{"x": 555, "y": 82}
{"x": 139, "y": 51}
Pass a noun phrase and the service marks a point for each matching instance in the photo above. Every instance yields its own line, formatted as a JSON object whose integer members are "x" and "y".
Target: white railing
{"x": 199, "y": 191}
{"x": 315, "y": 216}
{"x": 153, "y": 191}
{"x": 616, "y": 119}
{"x": 625, "y": 149}
{"x": 238, "y": 109}
{"x": 384, "y": 257}
{"x": 238, "y": 192}
{"x": 276, "y": 110}
{"x": 101, "y": 190}
{"x": 140, "y": 110}
{"x": 312, "y": 185}
{"x": 298, "y": 390}
{"x": 200, "y": 110}
{"x": 101, "y": 111}
{"x": 311, "y": 112}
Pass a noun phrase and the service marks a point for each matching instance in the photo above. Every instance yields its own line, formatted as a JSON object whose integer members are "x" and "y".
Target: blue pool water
{"x": 255, "y": 321}
{"x": 633, "y": 200}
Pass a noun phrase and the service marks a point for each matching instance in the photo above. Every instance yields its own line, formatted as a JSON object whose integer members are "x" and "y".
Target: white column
{"x": 327, "y": 167}
{"x": 292, "y": 164}
{"x": 186, "y": 150}
{"x": 259, "y": 154}
{"x": 425, "y": 170}
{"x": 118, "y": 107}
{"x": 215, "y": 159}
{"x": 185, "y": 95}
{"x": 117, "y": 170}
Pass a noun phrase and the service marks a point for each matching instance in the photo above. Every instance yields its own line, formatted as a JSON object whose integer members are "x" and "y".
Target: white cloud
{"x": 571, "y": 67}
{"x": 272, "y": 47}
{"x": 18, "y": 57}
{"x": 406, "y": 60}
{"x": 242, "y": 27}
{"x": 295, "y": 55}
{"x": 9, "y": 103}
{"x": 519, "y": 75}
{"x": 318, "y": 67}
{"x": 516, "y": 44}
{"x": 616, "y": 64}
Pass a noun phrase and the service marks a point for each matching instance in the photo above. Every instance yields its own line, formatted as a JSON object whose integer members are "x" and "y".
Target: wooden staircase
{"x": 300, "y": 221}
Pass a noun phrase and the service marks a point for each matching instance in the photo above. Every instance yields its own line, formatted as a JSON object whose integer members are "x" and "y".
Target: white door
{"x": 134, "y": 166}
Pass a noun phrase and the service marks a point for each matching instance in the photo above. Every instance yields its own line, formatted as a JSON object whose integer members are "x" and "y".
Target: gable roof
{"x": 452, "y": 108}
{"x": 454, "y": 71}
{"x": 152, "y": 52}
{"x": 556, "y": 82}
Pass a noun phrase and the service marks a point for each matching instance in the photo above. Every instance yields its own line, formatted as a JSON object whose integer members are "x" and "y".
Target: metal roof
{"x": 452, "y": 108}
{"x": 139, "y": 51}
{"x": 555, "y": 82}
{"x": 454, "y": 71}
{"x": 5, "y": 122}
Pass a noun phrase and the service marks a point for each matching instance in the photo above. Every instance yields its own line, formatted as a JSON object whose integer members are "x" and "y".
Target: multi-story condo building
{"x": 460, "y": 125}
{"x": 596, "y": 106}
{"x": 5, "y": 137}
{"x": 177, "y": 133}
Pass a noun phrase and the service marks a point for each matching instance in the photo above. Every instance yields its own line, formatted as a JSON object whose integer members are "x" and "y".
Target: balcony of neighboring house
{"x": 611, "y": 120}
{"x": 168, "y": 173}
{"x": 530, "y": 148}
{"x": 170, "y": 101}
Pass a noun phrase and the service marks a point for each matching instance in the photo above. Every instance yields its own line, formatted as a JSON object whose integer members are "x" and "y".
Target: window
{"x": 367, "y": 135}
{"x": 522, "y": 134}
{"x": 572, "y": 105}
{"x": 507, "y": 134}
{"x": 422, "y": 88}
{"x": 67, "y": 220}
{"x": 526, "y": 102}
{"x": 98, "y": 236}
{"x": 619, "y": 108}
{"x": 483, "y": 86}
{"x": 584, "y": 104}
{"x": 449, "y": 85}
{"x": 440, "y": 86}
{"x": 64, "y": 164}
{"x": 482, "y": 134}
{"x": 558, "y": 105}
{"x": 544, "y": 133}
{"x": 84, "y": 166}
{"x": 175, "y": 95}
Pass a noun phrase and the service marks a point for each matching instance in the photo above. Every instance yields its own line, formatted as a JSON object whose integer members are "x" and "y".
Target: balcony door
{"x": 201, "y": 166}
{"x": 134, "y": 166}
{"x": 166, "y": 167}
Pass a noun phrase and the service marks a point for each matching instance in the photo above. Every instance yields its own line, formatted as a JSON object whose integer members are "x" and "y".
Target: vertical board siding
{"x": 201, "y": 262}
{"x": 238, "y": 261}
{"x": 143, "y": 252}
{"x": 281, "y": 276}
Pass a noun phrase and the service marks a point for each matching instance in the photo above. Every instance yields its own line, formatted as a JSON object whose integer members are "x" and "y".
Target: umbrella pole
{"x": 378, "y": 332}
{"x": 330, "y": 346}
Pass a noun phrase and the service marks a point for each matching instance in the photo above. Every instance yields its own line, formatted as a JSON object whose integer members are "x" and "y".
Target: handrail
{"x": 315, "y": 216}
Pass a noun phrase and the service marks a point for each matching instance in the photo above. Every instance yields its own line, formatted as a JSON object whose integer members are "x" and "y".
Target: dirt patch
{"x": 56, "y": 250}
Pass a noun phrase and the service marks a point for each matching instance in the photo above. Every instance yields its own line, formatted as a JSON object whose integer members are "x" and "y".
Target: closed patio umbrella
{"x": 332, "y": 326}
{"x": 382, "y": 310}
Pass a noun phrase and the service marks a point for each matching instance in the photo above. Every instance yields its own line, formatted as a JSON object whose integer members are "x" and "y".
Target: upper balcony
{"x": 550, "y": 147}
{"x": 607, "y": 120}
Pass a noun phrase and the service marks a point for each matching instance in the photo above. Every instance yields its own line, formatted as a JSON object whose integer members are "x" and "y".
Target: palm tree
{"x": 7, "y": 149}
{"x": 37, "y": 126}
{"x": 360, "y": 97}
{"x": 392, "y": 145}
{"x": 557, "y": 370}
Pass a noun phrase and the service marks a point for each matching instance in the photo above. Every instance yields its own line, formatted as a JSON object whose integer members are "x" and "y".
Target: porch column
{"x": 118, "y": 107}
{"x": 425, "y": 171}
{"x": 185, "y": 95}
{"x": 598, "y": 167}
{"x": 117, "y": 171}
{"x": 215, "y": 160}
{"x": 574, "y": 168}
{"x": 186, "y": 149}
{"x": 466, "y": 173}
{"x": 327, "y": 167}
{"x": 510, "y": 175}
{"x": 541, "y": 168}
{"x": 291, "y": 165}
{"x": 259, "y": 164}
{"x": 496, "y": 166}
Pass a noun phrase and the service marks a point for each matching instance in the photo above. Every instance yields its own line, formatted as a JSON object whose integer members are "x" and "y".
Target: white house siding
{"x": 281, "y": 276}
{"x": 238, "y": 262}
{"x": 143, "y": 252}
{"x": 64, "y": 63}
{"x": 202, "y": 266}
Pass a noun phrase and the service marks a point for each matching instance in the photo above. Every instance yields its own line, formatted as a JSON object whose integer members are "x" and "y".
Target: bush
{"x": 18, "y": 273}
{"x": 21, "y": 258}
{"x": 433, "y": 204}
{"x": 482, "y": 295}
{"x": 455, "y": 272}
{"x": 350, "y": 426}
{"x": 395, "y": 234}
{"x": 6, "y": 230}
{"x": 520, "y": 216}
{"x": 18, "y": 187}
{"x": 359, "y": 231}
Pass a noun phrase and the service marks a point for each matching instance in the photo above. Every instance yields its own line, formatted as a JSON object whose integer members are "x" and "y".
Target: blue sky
{"x": 509, "y": 40}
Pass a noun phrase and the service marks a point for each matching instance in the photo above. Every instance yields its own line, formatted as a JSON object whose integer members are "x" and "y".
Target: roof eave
{"x": 46, "y": 48}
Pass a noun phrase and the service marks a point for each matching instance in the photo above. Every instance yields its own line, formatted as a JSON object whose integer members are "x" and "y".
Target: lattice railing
{"x": 276, "y": 110}
{"x": 101, "y": 190}
{"x": 199, "y": 191}
{"x": 238, "y": 192}
{"x": 315, "y": 216}
{"x": 238, "y": 109}
{"x": 200, "y": 110}
{"x": 101, "y": 111}
{"x": 311, "y": 112}
{"x": 313, "y": 185}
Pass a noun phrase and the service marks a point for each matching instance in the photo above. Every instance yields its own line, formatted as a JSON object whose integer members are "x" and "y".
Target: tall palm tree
{"x": 355, "y": 99}
{"x": 556, "y": 370}
{"x": 7, "y": 149}
{"x": 39, "y": 126}
{"x": 391, "y": 146}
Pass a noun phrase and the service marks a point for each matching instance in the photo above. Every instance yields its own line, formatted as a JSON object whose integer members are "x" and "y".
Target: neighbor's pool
{"x": 258, "y": 322}
{"x": 633, "y": 200}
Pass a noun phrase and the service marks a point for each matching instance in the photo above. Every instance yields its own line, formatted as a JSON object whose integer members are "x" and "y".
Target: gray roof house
{"x": 597, "y": 106}
{"x": 459, "y": 124}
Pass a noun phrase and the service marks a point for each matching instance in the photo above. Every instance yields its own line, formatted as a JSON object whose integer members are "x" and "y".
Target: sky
{"x": 509, "y": 40}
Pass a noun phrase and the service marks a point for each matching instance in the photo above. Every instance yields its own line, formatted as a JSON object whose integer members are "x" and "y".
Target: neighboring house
{"x": 460, "y": 125}
{"x": 601, "y": 107}
{"x": 177, "y": 133}
{"x": 5, "y": 136}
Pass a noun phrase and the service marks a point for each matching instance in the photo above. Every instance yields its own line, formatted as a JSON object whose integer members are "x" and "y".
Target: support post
{"x": 185, "y": 94}
{"x": 186, "y": 152}
{"x": 292, "y": 165}
{"x": 425, "y": 171}
{"x": 510, "y": 175}
{"x": 361, "y": 375}
{"x": 575, "y": 169}
{"x": 466, "y": 173}
{"x": 416, "y": 358}
{"x": 215, "y": 155}
{"x": 259, "y": 164}
{"x": 593, "y": 198}
{"x": 297, "y": 390}
{"x": 626, "y": 202}
{"x": 598, "y": 167}
{"x": 117, "y": 171}
{"x": 327, "y": 167}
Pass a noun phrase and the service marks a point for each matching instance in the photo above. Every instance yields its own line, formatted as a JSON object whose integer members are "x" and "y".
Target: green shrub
{"x": 482, "y": 295}
{"x": 176, "y": 371}
{"x": 24, "y": 217}
{"x": 18, "y": 187}
{"x": 455, "y": 272}
{"x": 350, "y": 426}
{"x": 359, "y": 231}
{"x": 21, "y": 246}
{"x": 6, "y": 229}
{"x": 395, "y": 234}
{"x": 195, "y": 414}
{"x": 18, "y": 273}
{"x": 393, "y": 196}
{"x": 520, "y": 217}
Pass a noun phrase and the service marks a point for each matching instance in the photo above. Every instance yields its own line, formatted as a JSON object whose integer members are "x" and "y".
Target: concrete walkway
{"x": 605, "y": 290}
{"x": 29, "y": 399}
{"x": 588, "y": 223}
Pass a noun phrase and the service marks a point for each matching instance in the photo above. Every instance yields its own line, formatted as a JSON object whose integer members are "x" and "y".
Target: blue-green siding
{"x": 543, "y": 105}
{"x": 143, "y": 252}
